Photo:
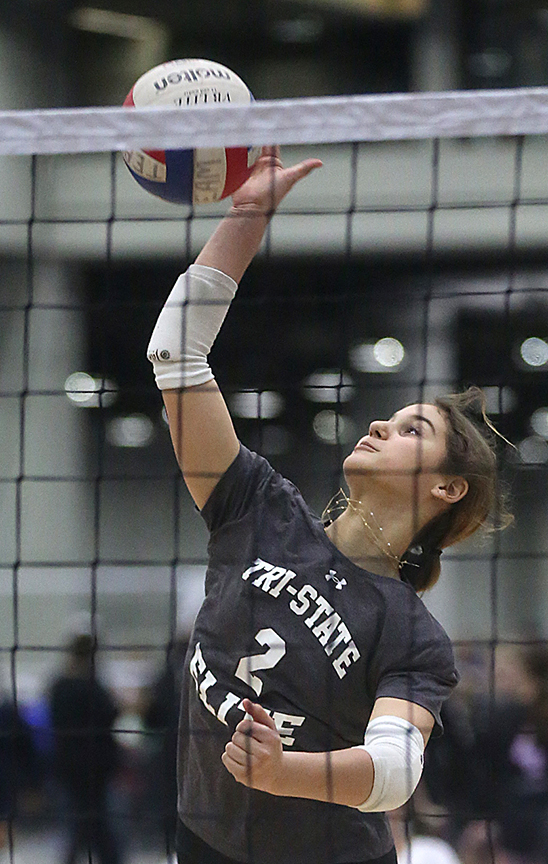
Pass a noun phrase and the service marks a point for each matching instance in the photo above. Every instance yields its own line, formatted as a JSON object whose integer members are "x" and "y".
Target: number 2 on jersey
{"x": 256, "y": 662}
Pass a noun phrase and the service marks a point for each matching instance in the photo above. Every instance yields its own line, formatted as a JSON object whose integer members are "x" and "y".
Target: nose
{"x": 378, "y": 429}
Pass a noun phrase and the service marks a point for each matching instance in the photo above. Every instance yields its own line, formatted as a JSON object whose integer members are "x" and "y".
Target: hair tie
{"x": 417, "y": 555}
{"x": 415, "y": 560}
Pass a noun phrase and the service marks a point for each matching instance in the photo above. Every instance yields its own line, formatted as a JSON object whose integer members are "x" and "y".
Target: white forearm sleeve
{"x": 396, "y": 748}
{"x": 187, "y": 326}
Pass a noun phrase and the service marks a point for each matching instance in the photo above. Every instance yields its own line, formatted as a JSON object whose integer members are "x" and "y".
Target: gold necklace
{"x": 340, "y": 502}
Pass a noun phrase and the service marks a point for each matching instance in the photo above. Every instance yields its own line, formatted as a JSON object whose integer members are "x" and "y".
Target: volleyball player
{"x": 315, "y": 674}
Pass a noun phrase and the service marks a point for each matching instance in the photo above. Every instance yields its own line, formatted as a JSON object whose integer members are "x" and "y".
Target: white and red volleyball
{"x": 200, "y": 176}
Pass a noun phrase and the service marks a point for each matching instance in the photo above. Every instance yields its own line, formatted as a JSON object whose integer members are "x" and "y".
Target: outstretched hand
{"x": 237, "y": 239}
{"x": 254, "y": 755}
{"x": 270, "y": 182}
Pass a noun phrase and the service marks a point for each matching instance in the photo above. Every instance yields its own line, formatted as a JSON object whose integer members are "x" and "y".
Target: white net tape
{"x": 329, "y": 120}
{"x": 389, "y": 183}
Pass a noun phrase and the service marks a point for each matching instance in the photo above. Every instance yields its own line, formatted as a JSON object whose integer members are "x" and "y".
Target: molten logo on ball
{"x": 193, "y": 75}
{"x": 199, "y": 176}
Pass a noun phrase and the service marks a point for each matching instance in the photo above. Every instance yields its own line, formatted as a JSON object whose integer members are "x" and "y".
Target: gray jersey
{"x": 290, "y": 622}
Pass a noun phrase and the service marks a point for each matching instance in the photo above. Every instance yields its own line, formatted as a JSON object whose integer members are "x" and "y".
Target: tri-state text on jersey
{"x": 324, "y": 621}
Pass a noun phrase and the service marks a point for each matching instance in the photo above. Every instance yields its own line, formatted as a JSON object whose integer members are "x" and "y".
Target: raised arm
{"x": 201, "y": 429}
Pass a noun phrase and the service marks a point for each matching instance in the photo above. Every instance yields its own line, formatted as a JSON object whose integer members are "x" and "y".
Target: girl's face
{"x": 405, "y": 451}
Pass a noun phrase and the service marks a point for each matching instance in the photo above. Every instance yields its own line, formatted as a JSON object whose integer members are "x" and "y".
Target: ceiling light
{"x": 388, "y": 352}
{"x": 499, "y": 399}
{"x": 533, "y": 450}
{"x": 384, "y": 355}
{"x": 329, "y": 385}
{"x": 394, "y": 9}
{"x": 534, "y": 352}
{"x": 539, "y": 422}
{"x": 120, "y": 24}
{"x": 490, "y": 64}
{"x": 133, "y": 430}
{"x": 298, "y": 31}
{"x": 257, "y": 404}
{"x": 333, "y": 428}
{"x": 85, "y": 391}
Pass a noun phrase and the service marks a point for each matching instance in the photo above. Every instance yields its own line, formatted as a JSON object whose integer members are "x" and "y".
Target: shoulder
{"x": 405, "y": 607}
{"x": 415, "y": 659}
{"x": 412, "y": 637}
{"x": 249, "y": 481}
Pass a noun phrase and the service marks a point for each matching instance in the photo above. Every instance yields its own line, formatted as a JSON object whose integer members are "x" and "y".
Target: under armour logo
{"x": 332, "y": 577}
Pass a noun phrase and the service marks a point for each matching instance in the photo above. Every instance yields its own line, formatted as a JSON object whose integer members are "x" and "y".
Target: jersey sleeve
{"x": 420, "y": 669}
{"x": 247, "y": 477}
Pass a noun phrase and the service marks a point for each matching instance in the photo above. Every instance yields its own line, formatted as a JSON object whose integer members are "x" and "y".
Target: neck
{"x": 373, "y": 542}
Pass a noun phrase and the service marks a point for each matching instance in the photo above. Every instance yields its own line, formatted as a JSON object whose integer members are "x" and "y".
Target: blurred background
{"x": 402, "y": 269}
{"x": 74, "y": 54}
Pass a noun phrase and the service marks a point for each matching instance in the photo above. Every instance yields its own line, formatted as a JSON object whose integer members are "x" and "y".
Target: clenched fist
{"x": 254, "y": 756}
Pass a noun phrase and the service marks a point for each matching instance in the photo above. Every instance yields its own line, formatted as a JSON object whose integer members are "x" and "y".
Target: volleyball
{"x": 200, "y": 176}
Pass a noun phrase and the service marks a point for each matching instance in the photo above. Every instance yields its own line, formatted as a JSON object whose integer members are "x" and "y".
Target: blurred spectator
{"x": 37, "y": 714}
{"x": 86, "y": 754}
{"x": 416, "y": 844}
{"x": 420, "y": 831}
{"x": 491, "y": 767}
{"x": 20, "y": 774}
{"x": 162, "y": 717}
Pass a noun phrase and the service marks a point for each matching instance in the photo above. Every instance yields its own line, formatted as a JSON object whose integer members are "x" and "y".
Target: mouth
{"x": 365, "y": 445}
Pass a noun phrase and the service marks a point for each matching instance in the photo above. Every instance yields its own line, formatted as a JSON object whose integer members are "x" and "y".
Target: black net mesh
{"x": 413, "y": 264}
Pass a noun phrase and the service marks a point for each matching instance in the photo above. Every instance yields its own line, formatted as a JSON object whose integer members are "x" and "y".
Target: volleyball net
{"x": 414, "y": 263}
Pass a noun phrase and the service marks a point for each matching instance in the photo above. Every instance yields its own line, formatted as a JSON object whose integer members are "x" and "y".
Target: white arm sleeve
{"x": 187, "y": 327}
{"x": 396, "y": 748}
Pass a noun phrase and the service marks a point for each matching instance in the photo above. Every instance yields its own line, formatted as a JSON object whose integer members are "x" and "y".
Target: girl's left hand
{"x": 269, "y": 182}
{"x": 254, "y": 756}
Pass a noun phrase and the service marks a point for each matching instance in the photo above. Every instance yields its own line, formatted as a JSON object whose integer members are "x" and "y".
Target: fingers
{"x": 305, "y": 167}
{"x": 253, "y": 736}
{"x": 272, "y": 152}
{"x": 250, "y": 761}
{"x": 258, "y": 713}
{"x": 244, "y": 754}
{"x": 269, "y": 182}
{"x": 302, "y": 169}
{"x": 241, "y": 771}
{"x": 233, "y": 763}
{"x": 254, "y": 754}
{"x": 253, "y": 742}
{"x": 243, "y": 750}
{"x": 236, "y": 755}
{"x": 270, "y": 158}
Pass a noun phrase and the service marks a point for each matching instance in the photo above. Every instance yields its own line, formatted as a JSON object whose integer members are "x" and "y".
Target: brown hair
{"x": 470, "y": 453}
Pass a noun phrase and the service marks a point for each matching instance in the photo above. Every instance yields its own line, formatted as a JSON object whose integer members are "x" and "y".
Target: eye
{"x": 412, "y": 429}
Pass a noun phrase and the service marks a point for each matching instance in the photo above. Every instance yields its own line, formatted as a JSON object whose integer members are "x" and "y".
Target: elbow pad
{"x": 188, "y": 325}
{"x": 397, "y": 750}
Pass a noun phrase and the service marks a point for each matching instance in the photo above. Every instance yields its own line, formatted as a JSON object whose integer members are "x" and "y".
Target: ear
{"x": 453, "y": 490}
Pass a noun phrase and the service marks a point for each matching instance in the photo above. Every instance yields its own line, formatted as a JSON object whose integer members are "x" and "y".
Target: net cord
{"x": 520, "y": 111}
